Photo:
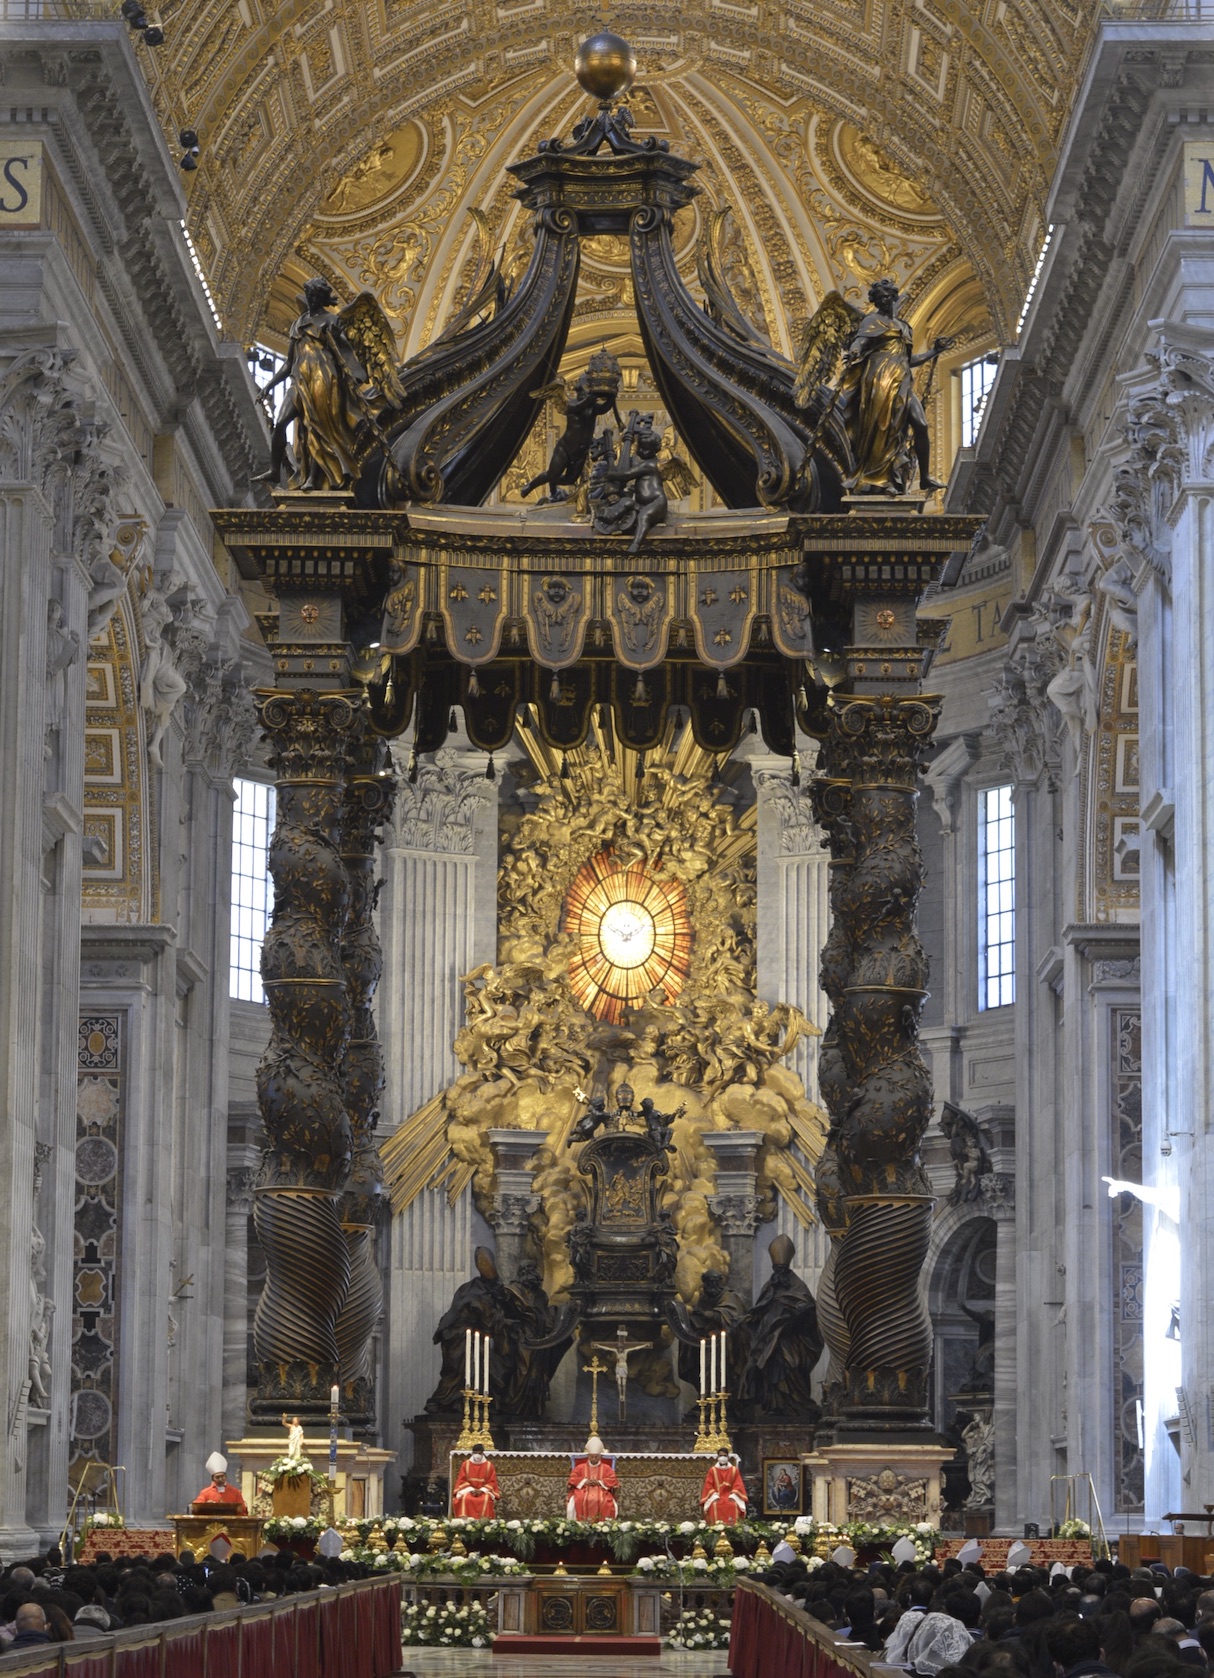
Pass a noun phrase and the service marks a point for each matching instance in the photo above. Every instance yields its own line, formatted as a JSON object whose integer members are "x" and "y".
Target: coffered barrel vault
{"x": 851, "y": 136}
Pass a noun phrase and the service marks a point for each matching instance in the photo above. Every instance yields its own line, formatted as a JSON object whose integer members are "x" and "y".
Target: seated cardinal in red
{"x": 476, "y": 1489}
{"x": 592, "y": 1486}
{"x": 219, "y": 1491}
{"x": 723, "y": 1498}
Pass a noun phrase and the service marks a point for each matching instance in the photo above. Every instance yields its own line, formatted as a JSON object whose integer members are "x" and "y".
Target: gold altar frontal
{"x": 653, "y": 1487}
{"x": 198, "y": 1532}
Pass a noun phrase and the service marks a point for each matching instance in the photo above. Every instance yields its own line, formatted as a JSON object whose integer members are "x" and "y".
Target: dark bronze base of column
{"x": 302, "y": 1389}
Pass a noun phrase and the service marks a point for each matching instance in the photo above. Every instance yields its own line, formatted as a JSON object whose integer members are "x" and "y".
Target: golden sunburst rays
{"x": 657, "y": 779}
{"x": 631, "y": 934}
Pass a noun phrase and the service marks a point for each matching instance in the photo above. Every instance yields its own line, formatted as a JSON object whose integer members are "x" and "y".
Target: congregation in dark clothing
{"x": 42, "y": 1601}
{"x": 952, "y": 1621}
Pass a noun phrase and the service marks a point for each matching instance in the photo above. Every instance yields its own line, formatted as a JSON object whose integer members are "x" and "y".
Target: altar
{"x": 654, "y": 1486}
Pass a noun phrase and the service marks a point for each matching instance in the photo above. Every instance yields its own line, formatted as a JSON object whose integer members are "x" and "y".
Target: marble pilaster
{"x": 438, "y": 920}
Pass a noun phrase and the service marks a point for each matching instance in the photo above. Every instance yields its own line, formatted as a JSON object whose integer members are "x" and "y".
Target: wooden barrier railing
{"x": 351, "y": 1631}
{"x": 771, "y": 1638}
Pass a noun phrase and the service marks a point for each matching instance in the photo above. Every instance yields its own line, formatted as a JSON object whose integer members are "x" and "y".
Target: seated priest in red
{"x": 592, "y": 1486}
{"x": 476, "y": 1488}
{"x": 723, "y": 1498}
{"x": 219, "y": 1491}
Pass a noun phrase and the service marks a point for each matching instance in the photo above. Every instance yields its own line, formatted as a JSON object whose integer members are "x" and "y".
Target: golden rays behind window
{"x": 631, "y": 936}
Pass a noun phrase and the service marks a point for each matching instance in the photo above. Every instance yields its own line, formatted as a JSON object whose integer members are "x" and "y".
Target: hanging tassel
{"x": 754, "y": 722}
{"x": 564, "y": 767}
{"x": 490, "y": 771}
{"x": 802, "y": 698}
{"x": 722, "y": 686}
{"x": 715, "y": 778}
{"x": 474, "y": 687}
{"x": 554, "y": 689}
{"x": 389, "y": 690}
{"x": 640, "y": 693}
{"x": 796, "y": 770}
{"x": 452, "y": 724}
{"x": 413, "y": 768}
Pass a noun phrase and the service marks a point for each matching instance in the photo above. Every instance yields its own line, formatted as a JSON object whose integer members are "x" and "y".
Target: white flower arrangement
{"x": 446, "y": 1623}
{"x": 699, "y": 1629}
{"x": 1074, "y": 1529}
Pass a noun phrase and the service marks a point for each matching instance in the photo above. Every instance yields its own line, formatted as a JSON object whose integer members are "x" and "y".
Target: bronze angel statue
{"x": 342, "y": 377}
{"x": 881, "y": 410}
{"x": 594, "y": 394}
{"x": 629, "y": 496}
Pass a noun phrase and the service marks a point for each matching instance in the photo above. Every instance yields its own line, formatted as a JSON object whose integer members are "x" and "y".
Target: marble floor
{"x": 481, "y": 1663}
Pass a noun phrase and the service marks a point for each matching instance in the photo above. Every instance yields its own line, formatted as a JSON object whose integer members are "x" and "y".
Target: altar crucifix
{"x": 619, "y": 1348}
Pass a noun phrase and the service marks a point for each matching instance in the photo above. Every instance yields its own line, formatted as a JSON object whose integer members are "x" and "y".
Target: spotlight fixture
{"x": 188, "y": 138}
{"x": 135, "y": 16}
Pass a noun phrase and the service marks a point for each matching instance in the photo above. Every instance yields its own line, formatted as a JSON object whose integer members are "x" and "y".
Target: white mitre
{"x": 217, "y": 1464}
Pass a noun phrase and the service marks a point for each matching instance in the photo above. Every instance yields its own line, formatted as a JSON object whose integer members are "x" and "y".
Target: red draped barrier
{"x": 769, "y": 1636}
{"x": 85, "y": 1661}
{"x": 139, "y": 1660}
{"x": 352, "y": 1631}
{"x": 285, "y": 1626}
{"x": 222, "y": 1647}
{"x": 386, "y": 1647}
{"x": 256, "y": 1646}
{"x": 307, "y": 1650}
{"x": 183, "y": 1651}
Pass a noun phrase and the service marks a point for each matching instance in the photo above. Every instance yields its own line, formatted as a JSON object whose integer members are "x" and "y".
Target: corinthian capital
{"x": 1169, "y": 427}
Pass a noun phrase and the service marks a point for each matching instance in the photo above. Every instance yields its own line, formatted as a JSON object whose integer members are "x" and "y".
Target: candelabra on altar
{"x": 475, "y": 1429}
{"x": 711, "y": 1430}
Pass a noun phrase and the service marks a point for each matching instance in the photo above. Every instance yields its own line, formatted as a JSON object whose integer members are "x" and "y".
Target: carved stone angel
{"x": 342, "y": 375}
{"x": 881, "y": 409}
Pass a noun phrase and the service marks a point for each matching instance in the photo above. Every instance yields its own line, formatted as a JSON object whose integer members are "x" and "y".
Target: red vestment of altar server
{"x": 229, "y": 1496}
{"x": 724, "y": 1496}
{"x": 592, "y": 1488}
{"x": 476, "y": 1490}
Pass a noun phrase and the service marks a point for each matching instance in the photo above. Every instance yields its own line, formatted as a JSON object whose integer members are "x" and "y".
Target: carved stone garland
{"x": 306, "y": 1165}
{"x": 872, "y": 1074}
{"x": 369, "y": 798}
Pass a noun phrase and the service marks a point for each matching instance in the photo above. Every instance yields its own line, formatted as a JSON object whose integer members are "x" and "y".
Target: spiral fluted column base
{"x": 356, "y": 1325}
{"x": 307, "y": 1279}
{"x": 879, "y": 1287}
{"x": 833, "y": 1327}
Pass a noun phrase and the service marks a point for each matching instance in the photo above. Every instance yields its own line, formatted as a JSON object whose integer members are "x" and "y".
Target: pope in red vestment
{"x": 723, "y": 1498}
{"x": 592, "y": 1486}
{"x": 476, "y": 1488}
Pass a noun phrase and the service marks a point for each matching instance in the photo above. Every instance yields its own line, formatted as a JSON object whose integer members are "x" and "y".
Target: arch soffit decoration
{"x": 967, "y": 101}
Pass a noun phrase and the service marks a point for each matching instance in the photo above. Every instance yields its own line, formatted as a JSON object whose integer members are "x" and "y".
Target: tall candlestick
{"x": 476, "y": 1361}
{"x": 712, "y": 1363}
{"x": 467, "y": 1358}
{"x": 485, "y": 1388}
{"x": 723, "y": 1360}
{"x": 703, "y": 1360}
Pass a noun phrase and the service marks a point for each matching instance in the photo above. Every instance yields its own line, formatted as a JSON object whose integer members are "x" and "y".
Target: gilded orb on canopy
{"x": 605, "y": 65}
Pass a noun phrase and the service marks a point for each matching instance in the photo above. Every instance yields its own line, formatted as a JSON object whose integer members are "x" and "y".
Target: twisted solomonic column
{"x": 370, "y": 793}
{"x": 873, "y": 1077}
{"x": 306, "y": 1164}
{"x": 831, "y": 801}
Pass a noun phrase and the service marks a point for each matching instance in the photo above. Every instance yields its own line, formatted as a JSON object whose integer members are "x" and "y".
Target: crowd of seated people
{"x": 42, "y": 1601}
{"x": 952, "y": 1621}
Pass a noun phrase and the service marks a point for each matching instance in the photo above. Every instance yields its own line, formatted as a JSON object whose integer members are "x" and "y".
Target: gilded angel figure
{"x": 341, "y": 373}
{"x": 881, "y": 410}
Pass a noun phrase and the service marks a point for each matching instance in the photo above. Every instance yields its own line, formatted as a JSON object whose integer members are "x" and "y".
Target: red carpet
{"x": 524, "y": 1643}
